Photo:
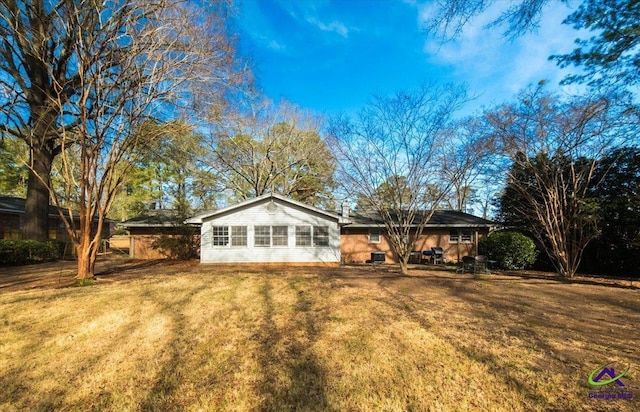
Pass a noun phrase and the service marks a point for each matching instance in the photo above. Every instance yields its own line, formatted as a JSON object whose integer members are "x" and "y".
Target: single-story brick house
{"x": 275, "y": 229}
{"x": 456, "y": 233}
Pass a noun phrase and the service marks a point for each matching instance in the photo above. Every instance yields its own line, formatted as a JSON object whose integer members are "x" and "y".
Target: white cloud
{"x": 494, "y": 66}
{"x": 334, "y": 27}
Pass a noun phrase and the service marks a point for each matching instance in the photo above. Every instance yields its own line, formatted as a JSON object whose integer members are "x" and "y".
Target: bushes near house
{"x": 510, "y": 250}
{"x": 22, "y": 252}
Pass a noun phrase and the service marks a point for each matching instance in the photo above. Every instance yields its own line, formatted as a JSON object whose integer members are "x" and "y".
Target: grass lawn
{"x": 169, "y": 336}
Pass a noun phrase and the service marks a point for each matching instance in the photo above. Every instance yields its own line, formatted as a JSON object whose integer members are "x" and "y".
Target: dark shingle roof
{"x": 440, "y": 218}
{"x": 17, "y": 205}
{"x": 155, "y": 218}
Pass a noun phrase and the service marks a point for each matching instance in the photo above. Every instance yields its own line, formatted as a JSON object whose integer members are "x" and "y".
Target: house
{"x": 12, "y": 215}
{"x": 275, "y": 229}
{"x": 147, "y": 228}
{"x": 457, "y": 233}
{"x": 269, "y": 229}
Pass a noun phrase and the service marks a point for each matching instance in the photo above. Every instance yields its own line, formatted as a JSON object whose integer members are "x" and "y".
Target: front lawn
{"x": 190, "y": 337}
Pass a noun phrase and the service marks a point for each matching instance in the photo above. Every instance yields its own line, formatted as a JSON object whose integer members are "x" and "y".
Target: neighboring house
{"x": 457, "y": 233}
{"x": 148, "y": 227}
{"x": 12, "y": 220}
{"x": 12, "y": 215}
{"x": 269, "y": 229}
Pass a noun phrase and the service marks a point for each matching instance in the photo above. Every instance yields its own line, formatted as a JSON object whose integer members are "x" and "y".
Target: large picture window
{"x": 220, "y": 236}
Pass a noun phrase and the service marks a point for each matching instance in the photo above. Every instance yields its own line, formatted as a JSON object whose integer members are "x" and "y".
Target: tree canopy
{"x": 276, "y": 149}
{"x": 612, "y": 55}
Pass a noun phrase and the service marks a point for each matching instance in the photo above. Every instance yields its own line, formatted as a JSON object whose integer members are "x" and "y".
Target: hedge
{"x": 22, "y": 252}
{"x": 510, "y": 250}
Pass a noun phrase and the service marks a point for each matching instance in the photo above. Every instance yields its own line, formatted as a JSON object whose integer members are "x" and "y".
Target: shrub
{"x": 22, "y": 252}
{"x": 510, "y": 250}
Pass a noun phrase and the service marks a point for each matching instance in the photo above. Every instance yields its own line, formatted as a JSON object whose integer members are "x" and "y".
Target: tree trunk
{"x": 86, "y": 258}
{"x": 36, "y": 219}
{"x": 404, "y": 264}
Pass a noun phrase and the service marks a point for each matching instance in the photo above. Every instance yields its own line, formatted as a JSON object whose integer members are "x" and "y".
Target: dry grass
{"x": 151, "y": 336}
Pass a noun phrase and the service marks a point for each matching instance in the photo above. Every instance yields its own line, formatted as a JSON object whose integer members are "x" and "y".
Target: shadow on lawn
{"x": 292, "y": 378}
{"x": 537, "y": 315}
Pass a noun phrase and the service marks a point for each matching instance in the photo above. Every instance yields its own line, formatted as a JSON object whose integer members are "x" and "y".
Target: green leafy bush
{"x": 22, "y": 252}
{"x": 510, "y": 250}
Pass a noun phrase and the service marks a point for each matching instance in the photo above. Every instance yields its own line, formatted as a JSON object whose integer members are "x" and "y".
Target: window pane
{"x": 303, "y": 235}
{"x": 374, "y": 235}
{"x": 262, "y": 236}
{"x": 220, "y": 236}
{"x": 238, "y": 236}
{"x": 321, "y": 235}
{"x": 280, "y": 235}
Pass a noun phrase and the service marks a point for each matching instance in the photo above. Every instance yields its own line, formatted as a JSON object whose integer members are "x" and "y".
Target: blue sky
{"x": 330, "y": 56}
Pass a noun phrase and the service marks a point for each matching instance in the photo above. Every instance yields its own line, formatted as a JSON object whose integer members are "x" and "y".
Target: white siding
{"x": 261, "y": 214}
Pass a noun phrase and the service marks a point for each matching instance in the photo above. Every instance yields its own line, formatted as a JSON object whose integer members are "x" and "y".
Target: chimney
{"x": 345, "y": 209}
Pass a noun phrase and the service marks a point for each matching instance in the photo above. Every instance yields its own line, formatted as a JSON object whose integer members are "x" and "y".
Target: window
{"x": 238, "y": 236}
{"x": 220, "y": 236}
{"x": 321, "y": 236}
{"x": 461, "y": 236}
{"x": 279, "y": 236}
{"x": 374, "y": 235}
{"x": 269, "y": 236}
{"x": 303, "y": 235}
{"x": 262, "y": 236}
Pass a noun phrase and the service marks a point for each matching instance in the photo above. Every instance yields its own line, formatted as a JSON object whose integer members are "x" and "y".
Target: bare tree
{"x": 392, "y": 154}
{"x": 135, "y": 61}
{"x": 555, "y": 147}
{"x": 275, "y": 149}
{"x": 471, "y": 164}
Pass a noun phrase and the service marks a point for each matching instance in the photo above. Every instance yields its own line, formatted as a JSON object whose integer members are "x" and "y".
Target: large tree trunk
{"x": 36, "y": 219}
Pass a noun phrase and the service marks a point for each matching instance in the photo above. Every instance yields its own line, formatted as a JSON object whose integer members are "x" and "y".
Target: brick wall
{"x": 356, "y": 248}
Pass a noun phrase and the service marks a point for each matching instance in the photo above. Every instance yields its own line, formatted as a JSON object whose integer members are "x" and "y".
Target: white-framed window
{"x": 238, "y": 236}
{"x": 262, "y": 236}
{"x": 375, "y": 234}
{"x": 316, "y": 236}
{"x": 279, "y": 236}
{"x": 271, "y": 236}
{"x": 461, "y": 236}
{"x": 303, "y": 235}
{"x": 320, "y": 236}
{"x": 220, "y": 236}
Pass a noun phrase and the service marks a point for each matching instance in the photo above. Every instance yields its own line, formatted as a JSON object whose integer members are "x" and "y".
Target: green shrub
{"x": 510, "y": 250}
{"x": 22, "y": 252}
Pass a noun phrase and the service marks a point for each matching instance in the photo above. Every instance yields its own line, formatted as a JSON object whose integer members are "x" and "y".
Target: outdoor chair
{"x": 475, "y": 264}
